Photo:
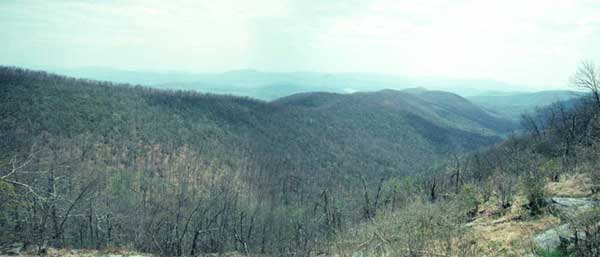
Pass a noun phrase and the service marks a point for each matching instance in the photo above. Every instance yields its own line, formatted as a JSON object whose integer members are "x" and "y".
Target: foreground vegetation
{"x": 492, "y": 202}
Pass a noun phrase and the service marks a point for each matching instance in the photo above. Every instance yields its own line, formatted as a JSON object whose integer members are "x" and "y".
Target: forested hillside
{"x": 90, "y": 164}
{"x": 535, "y": 194}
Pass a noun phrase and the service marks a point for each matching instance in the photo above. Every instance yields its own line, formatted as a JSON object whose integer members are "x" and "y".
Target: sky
{"x": 534, "y": 43}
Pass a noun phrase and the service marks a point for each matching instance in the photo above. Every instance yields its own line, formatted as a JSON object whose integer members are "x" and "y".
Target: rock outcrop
{"x": 569, "y": 207}
{"x": 563, "y": 236}
{"x": 560, "y": 237}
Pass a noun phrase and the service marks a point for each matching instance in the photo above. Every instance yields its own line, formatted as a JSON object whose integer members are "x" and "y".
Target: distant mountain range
{"x": 509, "y": 103}
{"x": 272, "y": 85}
{"x": 512, "y": 105}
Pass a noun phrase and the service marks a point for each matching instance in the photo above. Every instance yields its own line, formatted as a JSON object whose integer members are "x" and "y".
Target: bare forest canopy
{"x": 89, "y": 164}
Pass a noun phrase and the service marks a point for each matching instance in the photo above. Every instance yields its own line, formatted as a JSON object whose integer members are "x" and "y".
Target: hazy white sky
{"x": 536, "y": 43}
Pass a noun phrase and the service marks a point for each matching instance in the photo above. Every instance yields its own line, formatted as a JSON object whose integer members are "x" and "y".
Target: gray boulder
{"x": 573, "y": 202}
{"x": 553, "y": 239}
{"x": 561, "y": 237}
{"x": 569, "y": 207}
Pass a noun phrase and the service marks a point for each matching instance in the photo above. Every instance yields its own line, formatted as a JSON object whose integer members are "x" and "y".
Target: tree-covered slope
{"x": 324, "y": 124}
{"x": 534, "y": 194}
{"x": 93, "y": 157}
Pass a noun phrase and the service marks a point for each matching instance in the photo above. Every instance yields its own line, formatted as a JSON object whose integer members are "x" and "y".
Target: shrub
{"x": 552, "y": 170}
{"x": 533, "y": 188}
{"x": 468, "y": 201}
{"x": 503, "y": 184}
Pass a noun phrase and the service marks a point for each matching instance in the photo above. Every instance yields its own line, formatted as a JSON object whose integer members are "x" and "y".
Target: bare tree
{"x": 588, "y": 78}
{"x": 17, "y": 167}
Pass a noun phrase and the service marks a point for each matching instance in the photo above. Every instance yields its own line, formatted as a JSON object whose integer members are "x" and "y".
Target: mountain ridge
{"x": 155, "y": 153}
{"x": 259, "y": 84}
{"x": 513, "y": 105}
{"x": 375, "y": 114}
{"x": 316, "y": 163}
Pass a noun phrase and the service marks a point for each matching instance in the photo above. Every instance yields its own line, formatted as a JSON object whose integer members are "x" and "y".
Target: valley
{"x": 98, "y": 165}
